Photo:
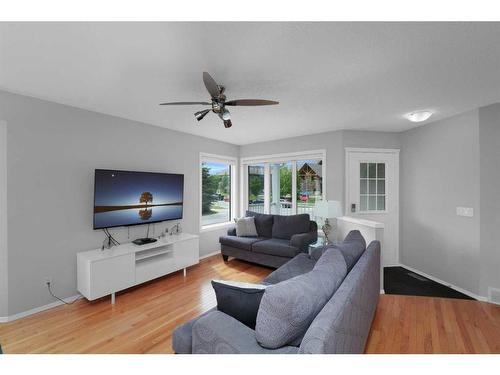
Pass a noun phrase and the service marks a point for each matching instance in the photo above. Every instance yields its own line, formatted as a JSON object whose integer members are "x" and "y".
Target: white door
{"x": 372, "y": 193}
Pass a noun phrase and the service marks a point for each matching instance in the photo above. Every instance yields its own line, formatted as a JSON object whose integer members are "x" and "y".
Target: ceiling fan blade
{"x": 200, "y": 114}
{"x": 186, "y": 103}
{"x": 227, "y": 123}
{"x": 211, "y": 85}
{"x": 251, "y": 102}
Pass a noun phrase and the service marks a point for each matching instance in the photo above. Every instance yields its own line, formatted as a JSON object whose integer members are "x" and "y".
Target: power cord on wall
{"x": 49, "y": 287}
{"x": 115, "y": 242}
{"x": 109, "y": 241}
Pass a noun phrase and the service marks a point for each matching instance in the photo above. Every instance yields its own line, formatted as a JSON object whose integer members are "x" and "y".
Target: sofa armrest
{"x": 302, "y": 240}
{"x": 313, "y": 226}
{"x": 231, "y": 232}
{"x": 182, "y": 337}
{"x": 219, "y": 333}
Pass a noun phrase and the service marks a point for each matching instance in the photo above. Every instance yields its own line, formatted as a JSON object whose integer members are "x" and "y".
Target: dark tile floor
{"x": 399, "y": 280}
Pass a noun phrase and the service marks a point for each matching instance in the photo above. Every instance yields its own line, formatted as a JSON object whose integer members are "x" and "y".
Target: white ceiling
{"x": 327, "y": 76}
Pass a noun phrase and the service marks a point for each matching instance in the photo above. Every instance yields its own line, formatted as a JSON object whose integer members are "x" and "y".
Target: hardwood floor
{"x": 144, "y": 317}
{"x": 413, "y": 324}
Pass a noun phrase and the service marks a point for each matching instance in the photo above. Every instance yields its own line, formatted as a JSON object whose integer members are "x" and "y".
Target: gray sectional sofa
{"x": 342, "y": 324}
{"x": 280, "y": 238}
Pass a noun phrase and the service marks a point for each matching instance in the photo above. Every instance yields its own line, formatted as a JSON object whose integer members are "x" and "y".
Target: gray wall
{"x": 334, "y": 143}
{"x": 489, "y": 140}
{"x": 440, "y": 171}
{"x": 52, "y": 152}
{"x": 3, "y": 221}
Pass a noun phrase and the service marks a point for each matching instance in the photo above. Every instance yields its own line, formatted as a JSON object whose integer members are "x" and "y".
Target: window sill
{"x": 218, "y": 226}
{"x": 371, "y": 212}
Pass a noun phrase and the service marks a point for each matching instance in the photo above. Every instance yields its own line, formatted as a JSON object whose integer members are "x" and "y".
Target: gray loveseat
{"x": 341, "y": 326}
{"x": 280, "y": 238}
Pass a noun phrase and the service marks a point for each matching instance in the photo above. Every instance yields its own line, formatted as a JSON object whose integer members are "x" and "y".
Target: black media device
{"x": 144, "y": 241}
{"x": 126, "y": 198}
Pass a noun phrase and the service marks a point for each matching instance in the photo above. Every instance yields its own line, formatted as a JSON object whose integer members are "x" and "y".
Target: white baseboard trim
{"x": 5, "y": 319}
{"x": 24, "y": 314}
{"x": 492, "y": 295}
{"x": 457, "y": 288}
{"x": 382, "y": 291}
{"x": 210, "y": 255}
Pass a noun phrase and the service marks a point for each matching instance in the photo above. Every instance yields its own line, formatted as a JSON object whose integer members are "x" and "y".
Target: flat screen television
{"x": 124, "y": 198}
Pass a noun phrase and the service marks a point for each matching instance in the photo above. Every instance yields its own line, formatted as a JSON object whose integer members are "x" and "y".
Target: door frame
{"x": 349, "y": 152}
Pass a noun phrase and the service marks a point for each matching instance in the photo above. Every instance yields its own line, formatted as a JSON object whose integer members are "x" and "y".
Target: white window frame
{"x": 367, "y": 161}
{"x": 267, "y": 160}
{"x": 233, "y": 162}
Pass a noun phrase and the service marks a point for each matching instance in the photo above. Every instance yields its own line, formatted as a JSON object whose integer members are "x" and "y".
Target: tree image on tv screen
{"x": 145, "y": 214}
{"x": 146, "y": 198}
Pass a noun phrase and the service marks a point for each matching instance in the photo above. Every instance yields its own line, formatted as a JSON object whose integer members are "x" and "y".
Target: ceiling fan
{"x": 219, "y": 102}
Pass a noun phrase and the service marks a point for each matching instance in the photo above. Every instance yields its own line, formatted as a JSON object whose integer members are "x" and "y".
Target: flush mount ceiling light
{"x": 418, "y": 116}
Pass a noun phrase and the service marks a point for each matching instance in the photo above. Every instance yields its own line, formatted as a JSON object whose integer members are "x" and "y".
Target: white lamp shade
{"x": 328, "y": 209}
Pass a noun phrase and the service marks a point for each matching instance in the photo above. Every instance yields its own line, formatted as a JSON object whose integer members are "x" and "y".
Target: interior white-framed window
{"x": 283, "y": 184}
{"x": 372, "y": 187}
{"x": 218, "y": 190}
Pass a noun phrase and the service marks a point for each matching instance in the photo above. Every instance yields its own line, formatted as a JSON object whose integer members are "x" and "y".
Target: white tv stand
{"x": 105, "y": 272}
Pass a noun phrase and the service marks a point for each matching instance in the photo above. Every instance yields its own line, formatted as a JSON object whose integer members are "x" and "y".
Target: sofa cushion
{"x": 343, "y": 325}
{"x": 285, "y": 227}
{"x": 288, "y": 308}
{"x": 352, "y": 248}
{"x": 219, "y": 333}
{"x": 263, "y": 223}
{"x": 244, "y": 243}
{"x": 239, "y": 300}
{"x": 275, "y": 246}
{"x": 294, "y": 267}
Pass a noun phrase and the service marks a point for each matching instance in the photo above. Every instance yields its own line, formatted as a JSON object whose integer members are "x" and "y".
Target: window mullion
{"x": 294, "y": 186}
{"x": 267, "y": 188}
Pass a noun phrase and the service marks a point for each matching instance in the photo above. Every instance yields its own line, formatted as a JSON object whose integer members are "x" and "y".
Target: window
{"x": 255, "y": 188}
{"x": 309, "y": 185}
{"x": 217, "y": 191}
{"x": 283, "y": 184}
{"x": 281, "y": 188}
{"x": 372, "y": 187}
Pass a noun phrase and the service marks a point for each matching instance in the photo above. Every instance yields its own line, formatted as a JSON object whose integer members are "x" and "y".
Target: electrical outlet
{"x": 465, "y": 211}
{"x": 47, "y": 280}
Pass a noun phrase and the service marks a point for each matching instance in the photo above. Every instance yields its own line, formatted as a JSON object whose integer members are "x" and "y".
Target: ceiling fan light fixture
{"x": 200, "y": 114}
{"x": 418, "y": 116}
{"x": 226, "y": 115}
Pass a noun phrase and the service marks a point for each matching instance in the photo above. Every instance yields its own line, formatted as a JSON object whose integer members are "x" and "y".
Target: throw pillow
{"x": 352, "y": 248}
{"x": 263, "y": 223}
{"x": 288, "y": 308}
{"x": 245, "y": 227}
{"x": 239, "y": 300}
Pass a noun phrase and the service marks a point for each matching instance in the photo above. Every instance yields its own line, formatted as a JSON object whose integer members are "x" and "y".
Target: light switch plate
{"x": 465, "y": 211}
